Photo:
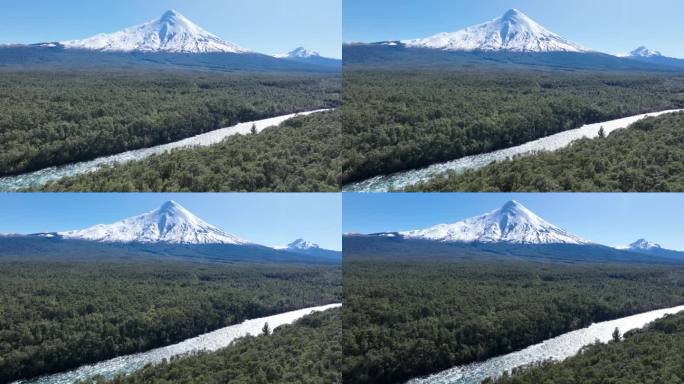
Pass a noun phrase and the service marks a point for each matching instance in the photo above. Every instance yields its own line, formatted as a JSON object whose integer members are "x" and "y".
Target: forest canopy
{"x": 300, "y": 155}
{"x": 54, "y": 118}
{"x": 398, "y": 120}
{"x": 307, "y": 352}
{"x": 647, "y": 157}
{"x": 58, "y": 315}
{"x": 654, "y": 354}
{"x": 403, "y": 319}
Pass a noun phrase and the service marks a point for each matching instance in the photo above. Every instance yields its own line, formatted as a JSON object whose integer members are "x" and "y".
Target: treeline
{"x": 54, "y": 118}
{"x": 308, "y": 352}
{"x": 654, "y": 354}
{"x": 302, "y": 154}
{"x": 647, "y": 157}
{"x": 396, "y": 120}
{"x": 407, "y": 319}
{"x": 55, "y": 316}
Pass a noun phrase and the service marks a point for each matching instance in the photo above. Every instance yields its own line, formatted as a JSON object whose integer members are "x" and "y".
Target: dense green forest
{"x": 398, "y": 120}
{"x": 306, "y": 352}
{"x": 406, "y": 319}
{"x": 647, "y": 157}
{"x": 53, "y": 118}
{"x": 302, "y": 154}
{"x": 652, "y": 355}
{"x": 56, "y": 315}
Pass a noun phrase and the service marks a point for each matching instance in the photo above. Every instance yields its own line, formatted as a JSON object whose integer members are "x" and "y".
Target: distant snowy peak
{"x": 644, "y": 52}
{"x": 172, "y": 32}
{"x": 514, "y": 31}
{"x": 302, "y": 244}
{"x": 170, "y": 223}
{"x": 643, "y": 244}
{"x": 298, "y": 53}
{"x": 512, "y": 223}
{"x": 298, "y": 245}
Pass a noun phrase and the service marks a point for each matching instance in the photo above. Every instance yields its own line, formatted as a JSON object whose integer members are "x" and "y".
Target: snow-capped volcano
{"x": 512, "y": 223}
{"x": 298, "y": 53}
{"x": 170, "y": 223}
{"x": 514, "y": 31}
{"x": 643, "y": 244}
{"x": 172, "y": 32}
{"x": 644, "y": 52}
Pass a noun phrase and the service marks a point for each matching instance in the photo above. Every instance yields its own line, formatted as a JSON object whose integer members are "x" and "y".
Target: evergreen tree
{"x": 616, "y": 334}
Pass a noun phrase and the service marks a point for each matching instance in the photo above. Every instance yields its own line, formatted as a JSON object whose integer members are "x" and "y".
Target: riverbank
{"x": 400, "y": 180}
{"x": 44, "y": 176}
{"x": 557, "y": 348}
{"x": 211, "y": 341}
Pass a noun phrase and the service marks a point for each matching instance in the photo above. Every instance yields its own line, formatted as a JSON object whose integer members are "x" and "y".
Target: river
{"x": 44, "y": 176}
{"x": 554, "y": 142}
{"x": 557, "y": 348}
{"x": 207, "y": 342}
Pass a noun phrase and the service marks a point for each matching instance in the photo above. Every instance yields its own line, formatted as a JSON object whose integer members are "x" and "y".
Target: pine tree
{"x": 616, "y": 334}
{"x": 253, "y": 131}
{"x": 266, "y": 330}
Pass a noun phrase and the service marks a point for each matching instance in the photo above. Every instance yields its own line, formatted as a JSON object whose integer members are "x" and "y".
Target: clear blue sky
{"x": 612, "y": 26}
{"x": 263, "y": 218}
{"x": 267, "y": 26}
{"x": 605, "y": 218}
